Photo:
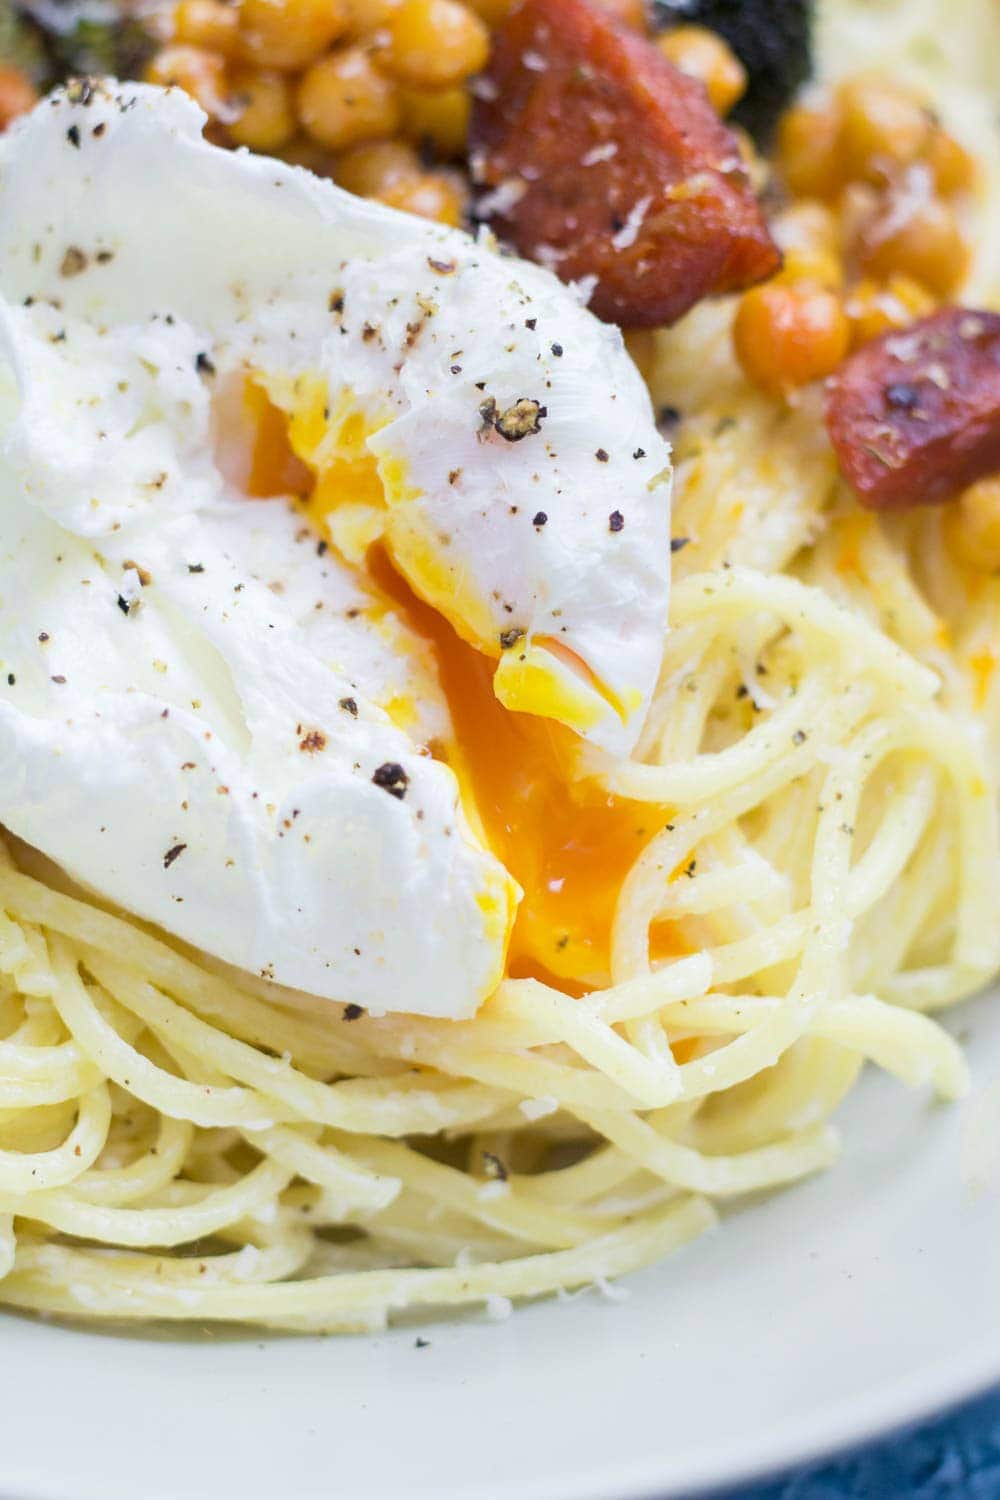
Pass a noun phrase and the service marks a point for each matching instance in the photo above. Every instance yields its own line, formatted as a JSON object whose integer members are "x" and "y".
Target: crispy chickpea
{"x": 874, "y": 307}
{"x": 433, "y": 44}
{"x": 441, "y": 119}
{"x": 266, "y": 119}
{"x": 372, "y": 169}
{"x": 303, "y": 151}
{"x": 812, "y": 267}
{"x": 431, "y": 195}
{"x": 705, "y": 55}
{"x": 916, "y": 234}
{"x": 493, "y": 12}
{"x": 972, "y": 526}
{"x": 953, "y": 169}
{"x": 290, "y": 34}
{"x": 344, "y": 99}
{"x": 200, "y": 73}
{"x": 207, "y": 23}
{"x": 17, "y": 94}
{"x": 883, "y": 125}
{"x": 807, "y": 150}
{"x": 367, "y": 17}
{"x": 786, "y": 335}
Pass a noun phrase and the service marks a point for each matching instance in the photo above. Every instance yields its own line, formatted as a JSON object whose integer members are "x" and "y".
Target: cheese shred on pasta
{"x": 183, "y": 1143}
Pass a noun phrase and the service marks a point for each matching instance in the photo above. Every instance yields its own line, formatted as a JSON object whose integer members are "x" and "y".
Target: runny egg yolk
{"x": 567, "y": 843}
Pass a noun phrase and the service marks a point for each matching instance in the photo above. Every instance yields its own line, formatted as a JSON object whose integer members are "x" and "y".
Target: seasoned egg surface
{"x": 207, "y": 713}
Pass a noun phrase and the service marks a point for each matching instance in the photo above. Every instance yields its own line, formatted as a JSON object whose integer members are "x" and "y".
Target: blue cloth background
{"x": 956, "y": 1457}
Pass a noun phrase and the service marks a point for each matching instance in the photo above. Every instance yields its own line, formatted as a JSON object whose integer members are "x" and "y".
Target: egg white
{"x": 195, "y": 701}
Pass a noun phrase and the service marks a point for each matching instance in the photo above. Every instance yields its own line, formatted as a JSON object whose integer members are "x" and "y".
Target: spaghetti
{"x": 182, "y": 1142}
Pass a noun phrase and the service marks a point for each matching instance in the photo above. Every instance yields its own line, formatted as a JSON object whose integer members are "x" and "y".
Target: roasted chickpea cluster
{"x": 373, "y": 93}
{"x": 872, "y": 238}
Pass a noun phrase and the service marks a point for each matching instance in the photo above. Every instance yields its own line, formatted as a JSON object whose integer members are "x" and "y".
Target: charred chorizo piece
{"x": 600, "y": 158}
{"x": 914, "y": 416}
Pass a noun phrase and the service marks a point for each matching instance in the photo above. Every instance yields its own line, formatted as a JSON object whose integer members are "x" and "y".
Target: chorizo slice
{"x": 597, "y": 157}
{"x": 914, "y": 416}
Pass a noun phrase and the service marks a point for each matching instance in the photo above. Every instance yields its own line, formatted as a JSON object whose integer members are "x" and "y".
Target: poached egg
{"x": 219, "y": 711}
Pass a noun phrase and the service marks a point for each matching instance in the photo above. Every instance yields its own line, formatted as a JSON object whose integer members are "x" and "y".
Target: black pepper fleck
{"x": 616, "y": 521}
{"x": 557, "y": 350}
{"x": 350, "y": 706}
{"x": 391, "y": 778}
{"x": 172, "y": 854}
{"x": 601, "y": 455}
{"x": 204, "y": 365}
{"x": 494, "y": 1166}
{"x": 522, "y": 419}
{"x": 352, "y": 1012}
{"x": 510, "y": 638}
{"x": 678, "y": 543}
{"x": 73, "y": 136}
{"x": 540, "y": 518}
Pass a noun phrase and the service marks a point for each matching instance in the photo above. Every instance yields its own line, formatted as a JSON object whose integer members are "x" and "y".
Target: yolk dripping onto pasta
{"x": 568, "y": 843}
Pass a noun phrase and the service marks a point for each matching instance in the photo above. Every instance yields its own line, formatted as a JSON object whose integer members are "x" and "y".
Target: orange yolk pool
{"x": 569, "y": 845}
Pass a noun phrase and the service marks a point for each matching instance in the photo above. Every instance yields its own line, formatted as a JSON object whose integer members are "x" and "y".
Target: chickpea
{"x": 266, "y": 119}
{"x": 197, "y": 71}
{"x": 432, "y": 195}
{"x": 17, "y": 94}
{"x": 372, "y": 169}
{"x": 917, "y": 234}
{"x": 953, "y": 169}
{"x": 433, "y": 44}
{"x": 344, "y": 99}
{"x": 813, "y": 268}
{"x": 972, "y": 526}
{"x": 786, "y": 335}
{"x": 874, "y": 307}
{"x": 303, "y": 151}
{"x": 808, "y": 153}
{"x": 290, "y": 34}
{"x": 705, "y": 55}
{"x": 440, "y": 119}
{"x": 367, "y": 17}
{"x": 883, "y": 126}
{"x": 493, "y": 12}
{"x": 207, "y": 23}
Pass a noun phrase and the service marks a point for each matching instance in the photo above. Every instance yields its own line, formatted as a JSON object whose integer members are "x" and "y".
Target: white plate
{"x": 864, "y": 1299}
